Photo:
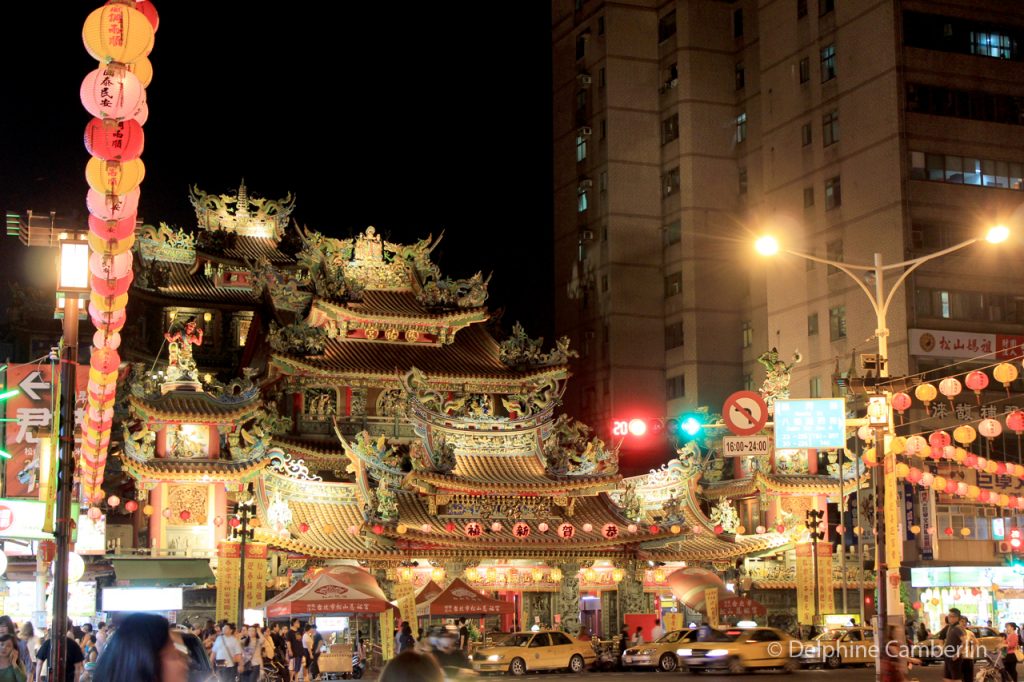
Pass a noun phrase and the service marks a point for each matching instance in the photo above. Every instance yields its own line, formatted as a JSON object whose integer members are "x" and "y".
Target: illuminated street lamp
{"x": 889, "y": 605}
{"x": 72, "y": 282}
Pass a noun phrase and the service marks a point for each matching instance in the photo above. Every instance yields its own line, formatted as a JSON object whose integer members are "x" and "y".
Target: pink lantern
{"x": 141, "y": 114}
{"x": 759, "y": 530}
{"x": 111, "y": 140}
{"x": 112, "y": 92}
{"x": 990, "y": 428}
{"x": 103, "y": 340}
{"x": 865, "y": 433}
{"x": 1015, "y": 421}
{"x": 496, "y": 527}
{"x": 971, "y": 460}
{"x": 915, "y": 444}
{"x": 901, "y": 402}
{"x": 111, "y": 287}
{"x": 110, "y": 267}
{"x": 950, "y": 387}
{"x": 961, "y": 489}
{"x": 114, "y": 501}
{"x": 588, "y": 527}
{"x": 131, "y": 506}
{"x": 218, "y": 521}
{"x": 95, "y": 514}
{"x": 426, "y": 528}
{"x": 632, "y": 528}
{"x": 353, "y": 530}
{"x": 542, "y": 527}
{"x": 112, "y": 229}
{"x": 948, "y": 452}
{"x": 113, "y": 206}
{"x": 926, "y": 479}
{"x": 914, "y": 475}
{"x": 939, "y": 439}
{"x": 105, "y": 360}
{"x": 977, "y": 381}
{"x": 166, "y": 513}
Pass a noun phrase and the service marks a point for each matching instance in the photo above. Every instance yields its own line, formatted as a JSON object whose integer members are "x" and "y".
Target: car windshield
{"x": 829, "y": 634}
{"x": 721, "y": 636}
{"x": 677, "y": 636}
{"x": 515, "y": 639}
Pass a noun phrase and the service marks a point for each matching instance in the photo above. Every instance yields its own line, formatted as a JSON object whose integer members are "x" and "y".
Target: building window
{"x": 604, "y": 283}
{"x": 667, "y": 26}
{"x": 600, "y": 26}
{"x": 743, "y": 180}
{"x": 581, "y": 201}
{"x": 602, "y": 181}
{"x": 670, "y": 129}
{"x": 969, "y": 306}
{"x": 601, "y": 78}
{"x": 675, "y": 387}
{"x": 826, "y": 6}
{"x": 670, "y": 182}
{"x": 805, "y": 69}
{"x": 808, "y": 200}
{"x": 837, "y": 323}
{"x": 748, "y": 382}
{"x": 833, "y": 193}
{"x": 673, "y": 335}
{"x": 581, "y": 148}
{"x": 604, "y": 128}
{"x": 990, "y": 45}
{"x": 737, "y": 23}
{"x": 805, "y": 134}
{"x": 673, "y": 284}
{"x": 581, "y": 45}
{"x": 741, "y": 127}
{"x": 972, "y": 104}
{"x": 812, "y": 324}
{"x": 801, "y": 9}
{"x": 959, "y": 170}
{"x": 815, "y": 387}
{"x": 834, "y": 251}
{"x": 673, "y": 233}
{"x": 747, "y": 329}
{"x": 741, "y": 77}
{"x": 828, "y": 63}
{"x": 830, "y": 128}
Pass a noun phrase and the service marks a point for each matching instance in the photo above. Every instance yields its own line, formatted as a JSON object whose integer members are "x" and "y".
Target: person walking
{"x": 227, "y": 654}
{"x": 295, "y": 650}
{"x": 952, "y": 650}
{"x": 1012, "y": 650}
{"x": 406, "y": 642}
{"x": 657, "y": 632}
{"x": 316, "y": 641}
{"x": 638, "y": 636}
{"x": 12, "y": 669}
{"x": 73, "y": 671}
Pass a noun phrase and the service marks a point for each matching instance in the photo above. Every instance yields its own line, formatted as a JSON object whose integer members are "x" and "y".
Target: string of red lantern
{"x": 119, "y": 36}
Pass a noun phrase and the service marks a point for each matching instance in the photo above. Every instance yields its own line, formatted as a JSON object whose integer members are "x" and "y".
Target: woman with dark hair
{"x": 410, "y": 666}
{"x": 12, "y": 668}
{"x": 143, "y": 649}
{"x": 7, "y": 627}
{"x": 405, "y": 639}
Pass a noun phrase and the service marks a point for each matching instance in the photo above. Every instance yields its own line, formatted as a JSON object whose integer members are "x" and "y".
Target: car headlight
{"x": 647, "y": 652}
{"x": 684, "y": 652}
{"x": 495, "y": 657}
{"x": 718, "y": 652}
{"x": 632, "y": 652}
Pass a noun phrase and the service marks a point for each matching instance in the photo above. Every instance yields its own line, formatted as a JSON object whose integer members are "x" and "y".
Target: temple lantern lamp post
{"x": 244, "y": 510}
{"x": 72, "y": 283}
{"x": 890, "y": 609}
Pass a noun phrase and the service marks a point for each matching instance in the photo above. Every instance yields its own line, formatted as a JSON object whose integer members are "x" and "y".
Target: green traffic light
{"x": 690, "y": 426}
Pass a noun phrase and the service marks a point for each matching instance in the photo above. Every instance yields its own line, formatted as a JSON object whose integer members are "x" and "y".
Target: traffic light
{"x": 812, "y": 521}
{"x": 1015, "y": 539}
{"x": 686, "y": 427}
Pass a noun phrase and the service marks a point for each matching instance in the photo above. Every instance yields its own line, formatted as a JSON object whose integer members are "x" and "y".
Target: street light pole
{"x": 888, "y": 549}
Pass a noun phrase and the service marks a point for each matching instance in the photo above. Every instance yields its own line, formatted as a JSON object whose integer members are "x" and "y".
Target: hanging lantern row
{"x": 926, "y": 479}
{"x": 950, "y": 387}
{"x": 119, "y": 36}
{"x": 967, "y": 459}
{"x": 566, "y": 531}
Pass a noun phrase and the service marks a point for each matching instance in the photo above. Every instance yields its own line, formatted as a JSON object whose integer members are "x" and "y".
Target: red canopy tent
{"x": 339, "y": 590}
{"x": 429, "y": 592}
{"x": 459, "y": 599}
{"x": 298, "y": 585}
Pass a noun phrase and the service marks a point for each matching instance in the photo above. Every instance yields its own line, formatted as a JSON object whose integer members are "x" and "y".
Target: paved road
{"x": 854, "y": 674}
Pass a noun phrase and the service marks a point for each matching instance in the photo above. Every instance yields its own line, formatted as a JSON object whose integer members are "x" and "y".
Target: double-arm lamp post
{"x": 886, "y": 501}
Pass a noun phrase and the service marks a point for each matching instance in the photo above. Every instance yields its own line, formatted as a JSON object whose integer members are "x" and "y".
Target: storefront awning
{"x": 163, "y": 572}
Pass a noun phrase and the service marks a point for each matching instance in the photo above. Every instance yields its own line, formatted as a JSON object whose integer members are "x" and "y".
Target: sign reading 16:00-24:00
{"x": 813, "y": 423}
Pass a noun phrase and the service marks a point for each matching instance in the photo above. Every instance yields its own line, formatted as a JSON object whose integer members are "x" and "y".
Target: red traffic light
{"x": 629, "y": 427}
{"x": 1015, "y": 538}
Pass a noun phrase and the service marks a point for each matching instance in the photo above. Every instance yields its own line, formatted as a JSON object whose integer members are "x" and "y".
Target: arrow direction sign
{"x": 32, "y": 383}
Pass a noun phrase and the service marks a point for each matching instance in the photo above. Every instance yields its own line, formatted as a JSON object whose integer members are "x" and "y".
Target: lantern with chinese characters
{"x": 977, "y": 381}
{"x": 112, "y": 93}
{"x": 566, "y": 531}
{"x": 901, "y": 402}
{"x": 1015, "y": 421}
{"x": 915, "y": 444}
{"x": 926, "y": 393}
{"x": 473, "y": 529}
{"x": 990, "y": 428}
{"x": 1006, "y": 374}
{"x": 938, "y": 440}
{"x": 609, "y": 531}
{"x": 117, "y": 33}
{"x": 951, "y": 388}
{"x": 521, "y": 530}
{"x": 964, "y": 434}
{"x": 114, "y": 177}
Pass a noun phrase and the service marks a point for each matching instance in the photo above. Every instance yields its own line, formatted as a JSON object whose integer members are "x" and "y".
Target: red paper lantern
{"x": 185, "y": 515}
{"x": 951, "y": 486}
{"x": 131, "y": 505}
{"x": 1000, "y": 469}
{"x": 303, "y": 527}
{"x": 939, "y": 440}
{"x": 450, "y": 527}
{"x": 378, "y": 529}
{"x": 984, "y": 496}
{"x": 901, "y": 402}
{"x": 977, "y": 381}
{"x": 47, "y": 550}
{"x": 780, "y": 528}
{"x": 948, "y": 531}
{"x": 917, "y": 606}
{"x": 653, "y": 530}
{"x": 971, "y": 460}
{"x": 1015, "y": 421}
{"x": 113, "y": 140}
{"x": 718, "y": 529}
{"x": 234, "y": 522}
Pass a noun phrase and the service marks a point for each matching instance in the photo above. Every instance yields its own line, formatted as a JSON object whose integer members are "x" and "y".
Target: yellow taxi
{"x": 840, "y": 646}
{"x": 738, "y": 650}
{"x": 521, "y": 652}
{"x": 660, "y": 654}
{"x": 930, "y": 650}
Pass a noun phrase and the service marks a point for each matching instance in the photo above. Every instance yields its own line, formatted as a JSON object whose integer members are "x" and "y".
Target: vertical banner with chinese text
{"x": 387, "y": 639}
{"x": 893, "y": 514}
{"x": 228, "y": 578}
{"x": 926, "y": 538}
{"x": 711, "y": 606}
{"x": 32, "y": 412}
{"x": 256, "y": 556}
{"x": 804, "y": 584}
{"x": 404, "y": 594}
{"x": 826, "y": 586}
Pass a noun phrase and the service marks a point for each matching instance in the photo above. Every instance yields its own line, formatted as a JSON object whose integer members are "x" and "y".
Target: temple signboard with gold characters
{"x": 364, "y": 401}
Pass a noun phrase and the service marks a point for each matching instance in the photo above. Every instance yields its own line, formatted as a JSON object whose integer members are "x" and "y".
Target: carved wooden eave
{"x": 365, "y": 325}
{"x": 191, "y": 470}
{"x": 193, "y": 407}
{"x": 783, "y": 484}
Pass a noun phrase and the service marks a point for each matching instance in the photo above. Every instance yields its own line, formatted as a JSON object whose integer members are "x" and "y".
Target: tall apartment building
{"x": 682, "y": 130}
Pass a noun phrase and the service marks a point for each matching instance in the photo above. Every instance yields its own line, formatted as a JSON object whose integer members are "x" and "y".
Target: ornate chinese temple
{"x": 372, "y": 409}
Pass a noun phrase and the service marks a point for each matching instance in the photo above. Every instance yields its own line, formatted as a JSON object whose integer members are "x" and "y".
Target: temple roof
{"x": 796, "y": 484}
{"x": 401, "y": 304}
{"x": 473, "y": 353}
{"x": 194, "y": 406}
{"x": 508, "y": 475}
{"x": 191, "y": 470}
{"x": 183, "y": 284}
{"x": 248, "y": 249}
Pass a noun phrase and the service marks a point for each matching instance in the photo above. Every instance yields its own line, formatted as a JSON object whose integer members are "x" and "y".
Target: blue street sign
{"x": 814, "y": 423}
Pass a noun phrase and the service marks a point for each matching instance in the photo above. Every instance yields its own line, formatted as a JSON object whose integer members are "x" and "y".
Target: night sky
{"x": 412, "y": 117}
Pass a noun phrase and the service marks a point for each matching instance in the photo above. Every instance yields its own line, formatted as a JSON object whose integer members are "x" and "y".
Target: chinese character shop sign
{"x": 32, "y": 412}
